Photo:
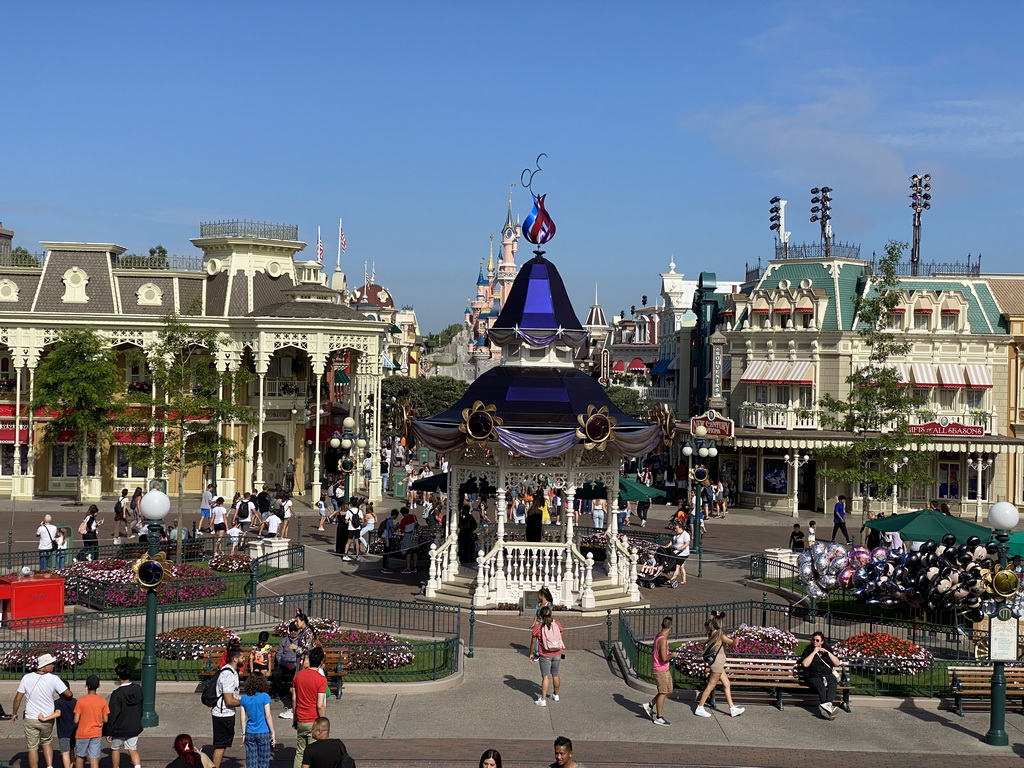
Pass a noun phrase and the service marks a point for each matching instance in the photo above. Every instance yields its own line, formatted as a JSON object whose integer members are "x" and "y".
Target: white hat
{"x": 45, "y": 660}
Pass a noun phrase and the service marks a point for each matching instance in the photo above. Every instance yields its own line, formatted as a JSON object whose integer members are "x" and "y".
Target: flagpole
{"x": 339, "y": 246}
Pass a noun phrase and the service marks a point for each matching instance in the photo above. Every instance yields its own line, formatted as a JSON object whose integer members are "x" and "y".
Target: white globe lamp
{"x": 155, "y": 505}
{"x": 346, "y": 443}
{"x": 703, "y": 452}
{"x": 700, "y": 431}
{"x": 349, "y": 422}
{"x": 335, "y": 443}
{"x": 687, "y": 451}
{"x": 712, "y": 451}
{"x": 1003, "y": 516}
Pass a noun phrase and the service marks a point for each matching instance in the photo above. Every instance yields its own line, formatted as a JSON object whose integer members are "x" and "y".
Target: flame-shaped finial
{"x": 538, "y": 227}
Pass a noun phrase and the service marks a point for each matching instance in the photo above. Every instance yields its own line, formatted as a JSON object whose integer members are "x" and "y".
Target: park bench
{"x": 976, "y": 683}
{"x": 337, "y": 665}
{"x": 778, "y": 676}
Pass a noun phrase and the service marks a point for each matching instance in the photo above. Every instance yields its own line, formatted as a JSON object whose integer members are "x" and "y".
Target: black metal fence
{"x": 246, "y": 228}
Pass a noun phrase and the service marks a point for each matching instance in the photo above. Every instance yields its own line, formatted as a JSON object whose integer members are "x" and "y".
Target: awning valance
{"x": 754, "y": 370}
{"x": 801, "y": 373}
{"x": 979, "y": 377}
{"x": 766, "y": 372}
{"x": 637, "y": 365}
{"x": 951, "y": 375}
{"x": 924, "y": 375}
{"x": 618, "y": 366}
{"x": 340, "y": 377}
{"x": 922, "y": 310}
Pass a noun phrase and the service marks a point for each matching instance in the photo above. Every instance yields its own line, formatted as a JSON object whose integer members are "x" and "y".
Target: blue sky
{"x": 668, "y": 126}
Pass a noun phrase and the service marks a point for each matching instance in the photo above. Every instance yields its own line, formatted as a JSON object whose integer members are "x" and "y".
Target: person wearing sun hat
{"x": 37, "y": 690}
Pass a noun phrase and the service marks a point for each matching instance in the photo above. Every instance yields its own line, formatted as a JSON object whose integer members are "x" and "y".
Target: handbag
{"x": 838, "y": 675}
{"x": 710, "y": 654}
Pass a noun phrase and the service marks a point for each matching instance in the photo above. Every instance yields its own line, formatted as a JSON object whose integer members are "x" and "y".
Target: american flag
{"x": 373, "y": 273}
{"x": 341, "y": 237}
{"x": 319, "y": 247}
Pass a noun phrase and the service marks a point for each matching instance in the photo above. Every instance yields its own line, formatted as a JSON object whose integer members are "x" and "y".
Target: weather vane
{"x": 538, "y": 227}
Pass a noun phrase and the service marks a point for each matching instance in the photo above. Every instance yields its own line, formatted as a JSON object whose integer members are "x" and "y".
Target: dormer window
{"x": 949, "y": 318}
{"x": 922, "y": 318}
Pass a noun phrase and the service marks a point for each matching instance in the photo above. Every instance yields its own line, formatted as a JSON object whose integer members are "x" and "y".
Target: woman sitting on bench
{"x": 819, "y": 663}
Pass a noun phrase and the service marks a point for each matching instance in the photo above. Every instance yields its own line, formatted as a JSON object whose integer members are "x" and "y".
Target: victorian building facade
{"x": 314, "y": 360}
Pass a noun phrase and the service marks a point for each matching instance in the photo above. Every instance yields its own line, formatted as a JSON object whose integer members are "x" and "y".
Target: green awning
{"x": 340, "y": 377}
{"x": 394, "y": 329}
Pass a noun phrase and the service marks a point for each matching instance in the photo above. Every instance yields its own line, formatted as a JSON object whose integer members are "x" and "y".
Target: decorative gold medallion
{"x": 479, "y": 423}
{"x": 597, "y": 428}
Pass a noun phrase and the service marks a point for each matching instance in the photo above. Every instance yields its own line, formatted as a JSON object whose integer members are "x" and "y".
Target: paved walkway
{"x": 492, "y": 707}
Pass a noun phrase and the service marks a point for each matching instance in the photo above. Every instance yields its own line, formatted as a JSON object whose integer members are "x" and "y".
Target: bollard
{"x": 309, "y": 599}
{"x": 608, "y": 624}
{"x": 472, "y": 622}
{"x": 298, "y": 522}
{"x": 10, "y": 542}
{"x": 764, "y": 609}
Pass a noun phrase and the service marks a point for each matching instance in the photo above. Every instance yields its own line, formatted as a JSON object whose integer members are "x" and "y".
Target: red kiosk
{"x": 38, "y": 597}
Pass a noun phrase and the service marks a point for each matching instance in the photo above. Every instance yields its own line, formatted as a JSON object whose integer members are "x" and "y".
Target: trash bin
{"x": 422, "y": 454}
{"x": 401, "y": 479}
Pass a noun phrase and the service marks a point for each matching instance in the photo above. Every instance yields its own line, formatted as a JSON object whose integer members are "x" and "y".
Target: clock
{"x": 509, "y": 232}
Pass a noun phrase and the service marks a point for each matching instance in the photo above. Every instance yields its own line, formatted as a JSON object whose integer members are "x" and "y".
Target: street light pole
{"x": 979, "y": 465}
{"x": 154, "y": 505}
{"x": 896, "y": 466}
{"x": 1002, "y": 516}
{"x": 698, "y": 476}
{"x": 795, "y": 461}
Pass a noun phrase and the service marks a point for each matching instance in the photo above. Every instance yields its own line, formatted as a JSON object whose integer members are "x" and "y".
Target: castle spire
{"x": 509, "y": 224}
{"x": 490, "y": 257}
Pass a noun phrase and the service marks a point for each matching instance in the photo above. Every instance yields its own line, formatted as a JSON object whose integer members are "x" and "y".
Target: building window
{"x": 75, "y": 281}
{"x": 948, "y": 322}
{"x": 808, "y": 319}
{"x": 750, "y": 474}
{"x": 806, "y": 397}
{"x": 65, "y": 461}
{"x": 974, "y": 398}
{"x": 760, "y": 394}
{"x": 125, "y": 468}
{"x": 7, "y": 460}
{"x": 947, "y": 399}
{"x": 149, "y": 295}
{"x": 8, "y": 290}
{"x": 782, "y": 396}
{"x": 949, "y": 480}
{"x": 776, "y": 477}
{"x": 921, "y": 321}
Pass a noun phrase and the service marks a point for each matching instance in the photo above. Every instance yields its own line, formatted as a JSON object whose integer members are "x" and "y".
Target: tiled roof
{"x": 311, "y": 309}
{"x": 796, "y": 270}
{"x": 1009, "y": 295}
{"x": 982, "y": 310}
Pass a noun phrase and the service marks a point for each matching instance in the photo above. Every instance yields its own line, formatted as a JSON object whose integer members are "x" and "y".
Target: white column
{"x": 499, "y": 560}
{"x": 500, "y": 509}
{"x": 318, "y": 369}
{"x": 612, "y": 555}
{"x": 17, "y": 431}
{"x": 28, "y": 482}
{"x": 259, "y": 453}
{"x": 570, "y": 500}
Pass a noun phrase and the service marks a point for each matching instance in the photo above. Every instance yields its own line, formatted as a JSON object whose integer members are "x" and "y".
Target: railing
{"x": 752, "y": 273}
{"x": 34, "y": 259}
{"x": 246, "y": 228}
{"x": 969, "y": 268}
{"x": 780, "y": 418}
{"x": 817, "y": 251}
{"x": 987, "y": 421}
{"x": 170, "y": 262}
{"x": 266, "y": 611}
{"x": 278, "y": 388}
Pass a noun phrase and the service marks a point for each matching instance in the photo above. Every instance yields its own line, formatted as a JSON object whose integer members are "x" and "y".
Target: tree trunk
{"x": 83, "y": 467}
{"x": 181, "y": 493}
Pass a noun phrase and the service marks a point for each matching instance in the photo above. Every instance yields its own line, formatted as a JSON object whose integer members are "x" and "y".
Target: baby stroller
{"x": 650, "y": 570}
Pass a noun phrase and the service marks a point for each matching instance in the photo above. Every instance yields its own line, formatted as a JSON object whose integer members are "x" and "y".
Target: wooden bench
{"x": 337, "y": 664}
{"x": 777, "y": 676}
{"x": 976, "y": 683}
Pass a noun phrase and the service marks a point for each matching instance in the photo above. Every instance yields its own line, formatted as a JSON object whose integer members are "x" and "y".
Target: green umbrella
{"x": 930, "y": 524}
{"x": 629, "y": 490}
{"x": 1016, "y": 543}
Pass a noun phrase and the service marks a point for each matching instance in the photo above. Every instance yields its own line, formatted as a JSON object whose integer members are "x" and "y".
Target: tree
{"x": 188, "y": 411}
{"x": 421, "y": 396}
{"x": 879, "y": 408}
{"x": 78, "y": 382}
{"x": 22, "y": 258}
{"x": 630, "y": 402}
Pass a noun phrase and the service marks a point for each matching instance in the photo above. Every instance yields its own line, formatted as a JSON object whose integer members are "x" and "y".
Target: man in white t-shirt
{"x": 273, "y": 523}
{"x": 37, "y": 689}
{"x": 354, "y": 523}
{"x": 680, "y": 551}
{"x": 227, "y": 700}
{"x": 205, "y": 505}
{"x": 367, "y": 470}
{"x": 47, "y": 535}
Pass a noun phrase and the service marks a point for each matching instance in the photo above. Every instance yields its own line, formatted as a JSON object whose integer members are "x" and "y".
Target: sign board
{"x": 606, "y": 366}
{"x": 1002, "y": 636}
{"x": 717, "y": 426}
{"x": 946, "y": 427}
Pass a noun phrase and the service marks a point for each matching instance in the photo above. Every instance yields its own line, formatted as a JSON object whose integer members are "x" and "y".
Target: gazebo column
{"x": 570, "y": 499}
{"x": 319, "y": 367}
{"x": 612, "y": 531}
{"x": 499, "y": 559}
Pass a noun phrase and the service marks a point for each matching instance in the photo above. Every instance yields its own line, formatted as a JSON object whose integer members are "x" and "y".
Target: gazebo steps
{"x": 607, "y": 596}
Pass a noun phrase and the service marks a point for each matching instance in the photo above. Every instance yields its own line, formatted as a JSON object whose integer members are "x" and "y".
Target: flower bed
{"x": 110, "y": 584}
{"x": 68, "y": 655}
{"x": 751, "y": 641}
{"x": 191, "y": 642}
{"x": 884, "y": 653}
{"x": 597, "y": 544}
{"x": 367, "y": 650}
{"x": 227, "y": 563}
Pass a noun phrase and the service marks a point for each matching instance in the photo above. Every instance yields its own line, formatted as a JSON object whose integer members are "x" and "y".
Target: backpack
{"x": 243, "y": 510}
{"x": 551, "y": 638}
{"x": 710, "y": 654}
{"x": 209, "y": 695}
{"x": 83, "y": 527}
{"x": 382, "y": 528}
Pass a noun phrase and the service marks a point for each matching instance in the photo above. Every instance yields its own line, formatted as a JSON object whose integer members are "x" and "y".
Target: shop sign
{"x": 946, "y": 427}
{"x": 717, "y": 426}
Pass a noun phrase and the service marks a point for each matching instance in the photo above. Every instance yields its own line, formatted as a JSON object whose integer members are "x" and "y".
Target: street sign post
{"x": 718, "y": 427}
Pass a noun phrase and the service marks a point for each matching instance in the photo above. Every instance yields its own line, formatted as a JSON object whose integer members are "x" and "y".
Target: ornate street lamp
{"x": 699, "y": 475}
{"x": 979, "y": 465}
{"x": 149, "y": 573}
{"x": 896, "y": 466}
{"x": 1003, "y": 517}
{"x": 796, "y": 462}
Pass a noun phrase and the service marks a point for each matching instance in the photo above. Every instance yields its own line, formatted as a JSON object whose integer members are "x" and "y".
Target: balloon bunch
{"x": 820, "y": 568}
{"x": 938, "y": 577}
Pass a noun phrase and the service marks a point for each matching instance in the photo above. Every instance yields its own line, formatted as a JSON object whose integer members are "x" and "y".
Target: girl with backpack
{"x": 546, "y": 647}
{"x": 89, "y": 531}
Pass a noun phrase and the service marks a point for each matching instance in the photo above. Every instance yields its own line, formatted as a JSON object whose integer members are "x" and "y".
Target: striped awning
{"x": 776, "y": 373}
{"x": 754, "y": 371}
{"x": 637, "y": 365}
{"x": 901, "y": 371}
{"x": 801, "y": 373}
{"x": 979, "y": 377}
{"x": 951, "y": 375}
{"x": 390, "y": 364}
{"x": 924, "y": 375}
{"x": 340, "y": 377}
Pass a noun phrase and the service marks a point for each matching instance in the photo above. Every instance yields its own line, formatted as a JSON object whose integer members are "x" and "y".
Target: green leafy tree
{"x": 188, "y": 411}
{"x": 403, "y": 396}
{"x": 22, "y": 258}
{"x": 878, "y": 412}
{"x": 78, "y": 381}
{"x": 630, "y": 402}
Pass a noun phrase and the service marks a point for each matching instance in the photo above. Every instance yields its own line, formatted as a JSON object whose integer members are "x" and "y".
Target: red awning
{"x": 326, "y": 432}
{"x": 140, "y": 436}
{"x": 637, "y": 365}
{"x": 922, "y": 310}
{"x": 898, "y": 311}
{"x": 951, "y": 311}
{"x": 7, "y": 436}
{"x": 618, "y": 367}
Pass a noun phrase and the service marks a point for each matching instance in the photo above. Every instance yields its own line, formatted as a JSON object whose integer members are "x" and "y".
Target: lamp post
{"x": 345, "y": 441}
{"x": 795, "y": 461}
{"x": 699, "y": 475}
{"x": 896, "y": 466}
{"x": 979, "y": 465}
{"x": 920, "y": 195}
{"x": 1002, "y": 516}
{"x": 155, "y": 506}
